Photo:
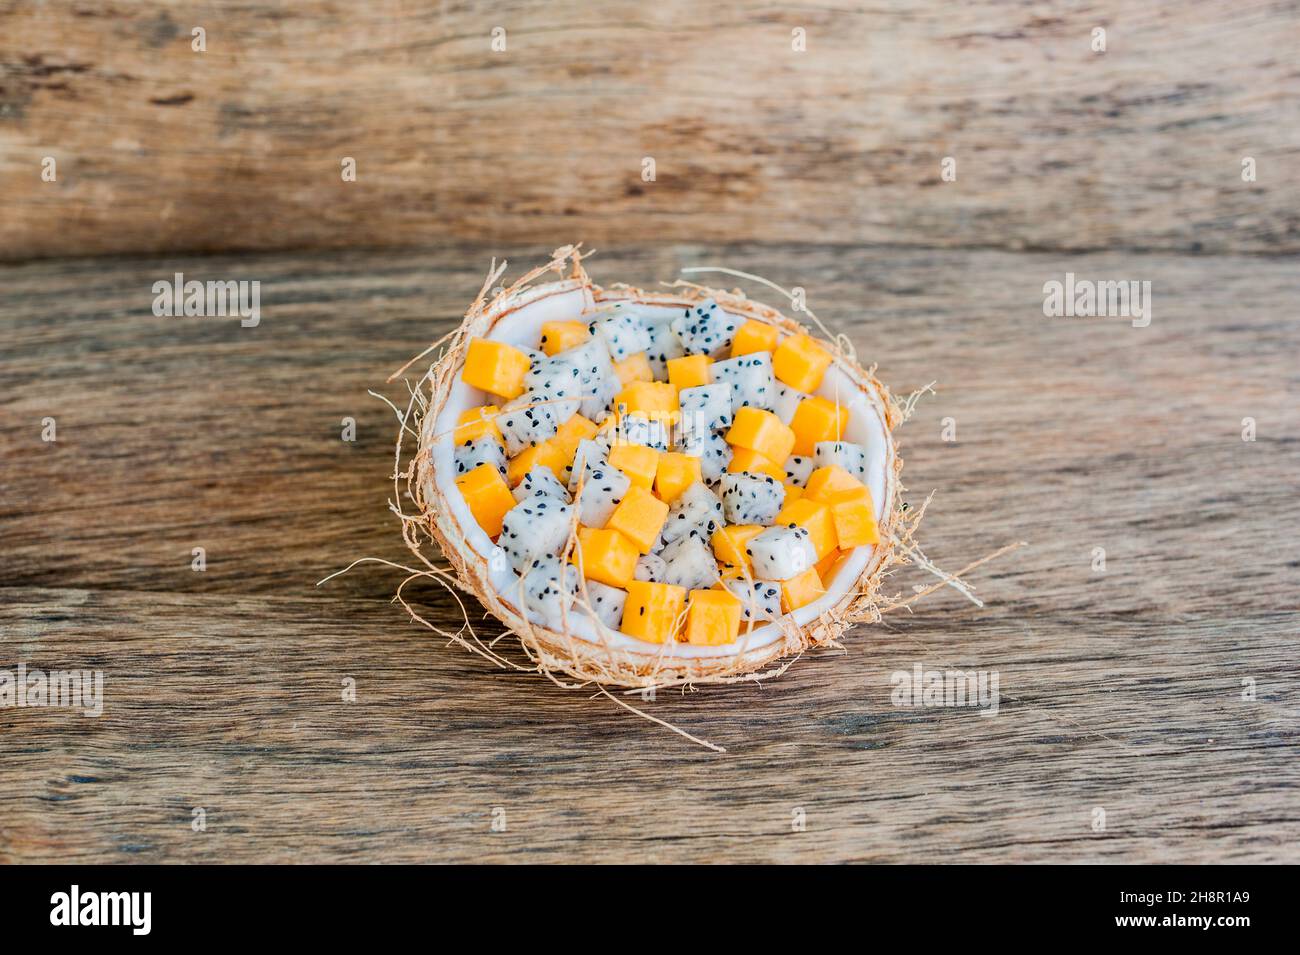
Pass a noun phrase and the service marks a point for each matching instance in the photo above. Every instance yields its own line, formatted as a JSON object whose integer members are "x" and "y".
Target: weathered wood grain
{"x": 160, "y": 148}
{"x": 1120, "y": 690}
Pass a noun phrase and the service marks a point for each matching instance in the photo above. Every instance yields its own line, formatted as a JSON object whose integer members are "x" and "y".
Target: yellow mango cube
{"x": 712, "y": 618}
{"x": 690, "y": 372}
{"x": 634, "y": 368}
{"x": 561, "y": 336}
{"x": 729, "y": 548}
{"x": 548, "y": 454}
{"x": 826, "y": 565}
{"x": 638, "y": 462}
{"x": 744, "y": 459}
{"x": 477, "y": 422}
{"x": 488, "y": 497}
{"x": 793, "y": 492}
{"x": 639, "y": 517}
{"x": 815, "y": 517}
{"x": 762, "y": 432}
{"x": 651, "y": 399}
{"x": 827, "y": 482}
{"x": 676, "y": 472}
{"x": 816, "y": 419}
{"x": 605, "y": 555}
{"x": 652, "y": 611}
{"x": 754, "y": 337}
{"x": 800, "y": 361}
{"x": 495, "y": 367}
{"x": 573, "y": 431}
{"x": 802, "y": 590}
{"x": 855, "y": 520}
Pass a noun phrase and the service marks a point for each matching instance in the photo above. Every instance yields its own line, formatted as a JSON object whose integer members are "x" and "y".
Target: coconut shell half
{"x": 584, "y": 649}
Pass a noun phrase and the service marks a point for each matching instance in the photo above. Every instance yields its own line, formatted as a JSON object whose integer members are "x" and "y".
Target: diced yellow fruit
{"x": 548, "y": 454}
{"x": 639, "y": 517}
{"x": 815, "y": 517}
{"x": 800, "y": 361}
{"x": 690, "y": 372}
{"x": 475, "y": 423}
{"x": 605, "y": 555}
{"x": 495, "y": 367}
{"x": 799, "y": 591}
{"x": 855, "y": 520}
{"x": 743, "y": 459}
{"x": 793, "y": 492}
{"x": 573, "y": 431}
{"x": 488, "y": 497}
{"x": 634, "y": 368}
{"x": 675, "y": 474}
{"x": 761, "y": 431}
{"x": 712, "y": 618}
{"x": 729, "y": 545}
{"x": 636, "y": 461}
{"x": 649, "y": 398}
{"x": 817, "y": 419}
{"x": 826, "y": 564}
{"x": 754, "y": 337}
{"x": 652, "y": 611}
{"x": 561, "y": 336}
{"x": 825, "y": 483}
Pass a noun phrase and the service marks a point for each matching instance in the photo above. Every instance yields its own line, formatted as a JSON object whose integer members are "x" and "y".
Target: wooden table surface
{"x": 1125, "y": 690}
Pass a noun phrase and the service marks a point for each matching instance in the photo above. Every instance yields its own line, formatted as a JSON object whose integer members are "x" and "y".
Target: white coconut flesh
{"x": 566, "y": 301}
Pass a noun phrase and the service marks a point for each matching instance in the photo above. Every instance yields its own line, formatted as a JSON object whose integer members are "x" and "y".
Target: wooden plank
{"x": 1120, "y": 690}
{"x": 160, "y": 148}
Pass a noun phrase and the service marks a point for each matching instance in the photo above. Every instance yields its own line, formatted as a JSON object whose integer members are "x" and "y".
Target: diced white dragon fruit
{"x": 664, "y": 344}
{"x": 759, "y": 599}
{"x": 798, "y": 469}
{"x": 705, "y": 329}
{"x": 526, "y": 421}
{"x": 485, "y": 449}
{"x": 634, "y": 429}
{"x": 591, "y": 453}
{"x": 600, "y": 494}
{"x": 599, "y": 383}
{"x": 696, "y": 511}
{"x": 851, "y": 457}
{"x": 537, "y": 527}
{"x": 606, "y": 602}
{"x": 623, "y": 333}
{"x": 780, "y": 553}
{"x": 751, "y": 379}
{"x": 706, "y": 407}
{"x": 786, "y": 402}
{"x": 691, "y": 563}
{"x": 547, "y": 590}
{"x": 712, "y": 450}
{"x": 557, "y": 385}
{"x": 650, "y": 567}
{"x": 751, "y": 498}
{"x": 541, "y": 482}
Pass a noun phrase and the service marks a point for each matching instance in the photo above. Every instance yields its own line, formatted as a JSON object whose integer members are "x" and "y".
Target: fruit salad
{"x": 675, "y": 476}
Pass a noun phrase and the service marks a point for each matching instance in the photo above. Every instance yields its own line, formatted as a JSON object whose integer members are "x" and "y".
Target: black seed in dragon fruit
{"x": 651, "y": 568}
{"x": 691, "y": 563}
{"x": 485, "y": 449}
{"x": 759, "y": 599}
{"x": 751, "y": 498}
{"x": 696, "y": 512}
{"x": 600, "y": 494}
{"x": 851, "y": 457}
{"x": 712, "y": 450}
{"x": 536, "y": 527}
{"x": 541, "y": 482}
{"x": 780, "y": 553}
{"x": 547, "y": 590}
{"x": 706, "y": 407}
{"x": 751, "y": 379}
{"x": 798, "y": 469}
{"x": 526, "y": 421}
{"x": 705, "y": 329}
